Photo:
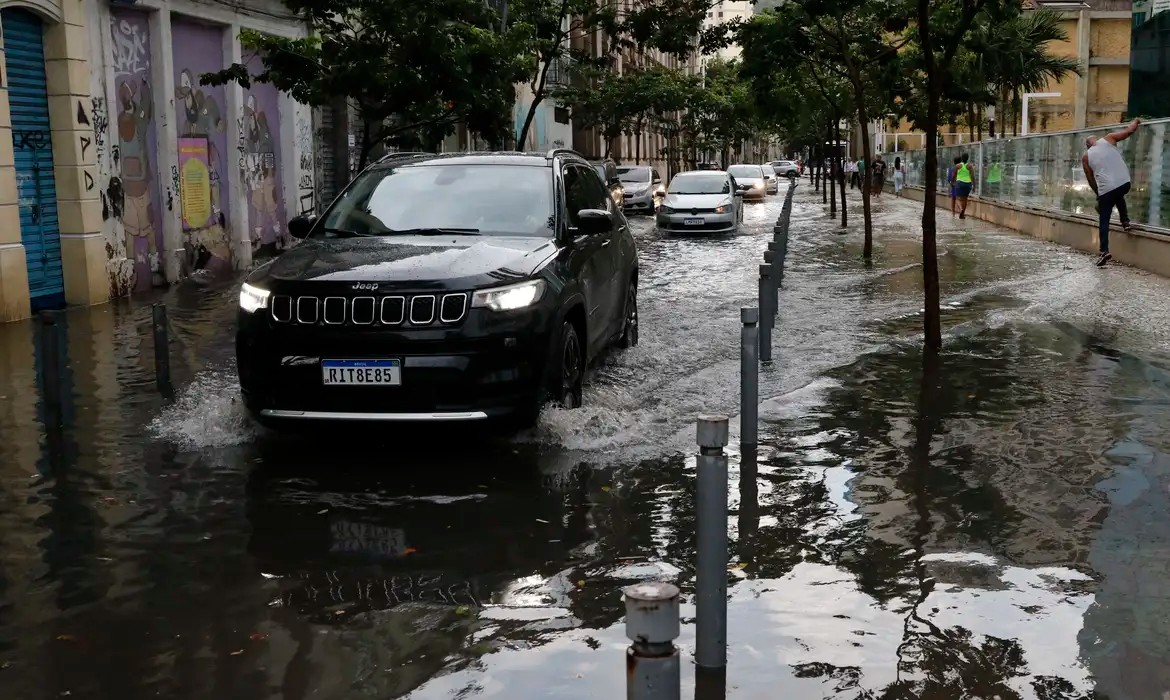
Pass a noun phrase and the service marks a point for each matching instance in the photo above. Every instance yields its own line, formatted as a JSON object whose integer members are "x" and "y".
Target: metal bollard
{"x": 749, "y": 379}
{"x": 767, "y": 320}
{"x": 50, "y": 368}
{"x": 711, "y": 568}
{"x": 162, "y": 350}
{"x": 653, "y": 671}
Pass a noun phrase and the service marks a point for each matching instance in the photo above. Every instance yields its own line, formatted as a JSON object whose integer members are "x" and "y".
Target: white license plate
{"x": 362, "y": 538}
{"x": 361, "y": 372}
{"x": 693, "y": 222}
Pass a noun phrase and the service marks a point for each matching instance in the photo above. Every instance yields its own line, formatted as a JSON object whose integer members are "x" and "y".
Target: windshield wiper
{"x": 345, "y": 233}
{"x": 430, "y": 231}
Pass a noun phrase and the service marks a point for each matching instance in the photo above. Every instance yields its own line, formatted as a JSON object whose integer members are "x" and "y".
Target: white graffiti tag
{"x": 129, "y": 48}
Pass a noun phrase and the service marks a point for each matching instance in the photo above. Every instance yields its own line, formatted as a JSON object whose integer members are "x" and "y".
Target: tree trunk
{"x": 832, "y": 172}
{"x": 932, "y": 317}
{"x": 537, "y": 98}
{"x": 841, "y": 160}
{"x": 866, "y": 179}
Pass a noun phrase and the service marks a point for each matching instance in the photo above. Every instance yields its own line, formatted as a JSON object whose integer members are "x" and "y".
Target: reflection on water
{"x": 994, "y": 526}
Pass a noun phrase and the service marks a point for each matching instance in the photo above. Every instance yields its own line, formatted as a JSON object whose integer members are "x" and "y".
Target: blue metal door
{"x": 28, "y": 102}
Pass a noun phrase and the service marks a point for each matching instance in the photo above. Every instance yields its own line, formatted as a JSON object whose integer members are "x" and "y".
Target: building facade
{"x": 725, "y": 11}
{"x": 119, "y": 171}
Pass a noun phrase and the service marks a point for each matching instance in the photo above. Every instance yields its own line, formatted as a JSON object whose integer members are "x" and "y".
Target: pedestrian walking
{"x": 851, "y": 168}
{"x": 1108, "y": 175}
{"x": 951, "y": 187}
{"x": 899, "y": 176}
{"x": 964, "y": 182}
{"x": 879, "y": 176}
{"x": 862, "y": 180}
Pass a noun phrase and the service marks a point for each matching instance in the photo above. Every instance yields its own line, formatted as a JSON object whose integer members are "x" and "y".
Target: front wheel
{"x": 629, "y": 336}
{"x": 568, "y": 382}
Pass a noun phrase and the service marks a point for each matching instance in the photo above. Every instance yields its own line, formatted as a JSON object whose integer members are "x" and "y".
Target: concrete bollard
{"x": 653, "y": 671}
{"x": 767, "y": 315}
{"x": 749, "y": 379}
{"x": 162, "y": 350}
{"x": 50, "y": 332}
{"x": 711, "y": 568}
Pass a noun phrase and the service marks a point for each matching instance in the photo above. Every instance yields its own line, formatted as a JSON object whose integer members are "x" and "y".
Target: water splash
{"x": 207, "y": 413}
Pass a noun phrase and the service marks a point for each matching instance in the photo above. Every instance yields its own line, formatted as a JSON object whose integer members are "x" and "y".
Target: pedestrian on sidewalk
{"x": 1108, "y": 175}
{"x": 899, "y": 176}
{"x": 964, "y": 181}
{"x": 951, "y": 187}
{"x": 879, "y": 176}
{"x": 862, "y": 180}
{"x": 852, "y": 169}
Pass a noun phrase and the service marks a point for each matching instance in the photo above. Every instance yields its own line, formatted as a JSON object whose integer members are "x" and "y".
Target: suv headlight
{"x": 663, "y": 209}
{"x": 253, "y": 298}
{"x": 510, "y": 298}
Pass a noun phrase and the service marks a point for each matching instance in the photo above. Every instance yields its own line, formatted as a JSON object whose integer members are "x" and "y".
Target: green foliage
{"x": 413, "y": 68}
{"x": 674, "y": 27}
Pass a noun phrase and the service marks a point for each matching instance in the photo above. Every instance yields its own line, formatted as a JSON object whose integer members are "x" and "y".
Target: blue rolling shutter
{"x": 28, "y": 102}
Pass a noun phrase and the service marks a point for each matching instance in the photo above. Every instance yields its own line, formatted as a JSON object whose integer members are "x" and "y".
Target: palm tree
{"x": 1018, "y": 59}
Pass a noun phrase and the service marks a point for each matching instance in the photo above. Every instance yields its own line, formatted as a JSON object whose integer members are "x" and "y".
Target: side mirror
{"x": 657, "y": 181}
{"x": 739, "y": 192}
{"x": 593, "y": 221}
{"x": 300, "y": 225}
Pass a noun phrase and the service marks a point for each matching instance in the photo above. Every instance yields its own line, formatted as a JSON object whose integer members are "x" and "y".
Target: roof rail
{"x": 553, "y": 152}
{"x": 403, "y": 154}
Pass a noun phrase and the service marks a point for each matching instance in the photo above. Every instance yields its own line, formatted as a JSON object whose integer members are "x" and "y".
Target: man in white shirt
{"x": 1108, "y": 175}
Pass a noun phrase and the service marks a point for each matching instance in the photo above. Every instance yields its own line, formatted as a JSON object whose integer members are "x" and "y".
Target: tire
{"x": 569, "y": 377}
{"x": 629, "y": 336}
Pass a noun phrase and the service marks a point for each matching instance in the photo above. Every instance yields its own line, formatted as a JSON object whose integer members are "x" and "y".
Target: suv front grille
{"x": 410, "y": 310}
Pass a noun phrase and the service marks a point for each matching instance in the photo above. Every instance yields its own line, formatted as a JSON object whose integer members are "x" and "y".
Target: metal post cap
{"x": 711, "y": 431}
{"x": 769, "y": 256}
{"x": 765, "y": 270}
{"x": 749, "y": 315}
{"x": 652, "y": 612}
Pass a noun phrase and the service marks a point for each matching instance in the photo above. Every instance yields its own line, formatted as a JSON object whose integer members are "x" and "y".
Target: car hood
{"x": 451, "y": 260}
{"x": 696, "y": 201}
{"x": 636, "y": 186}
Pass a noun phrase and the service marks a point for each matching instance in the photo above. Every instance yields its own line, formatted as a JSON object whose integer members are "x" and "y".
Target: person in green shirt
{"x": 994, "y": 177}
{"x": 964, "y": 180}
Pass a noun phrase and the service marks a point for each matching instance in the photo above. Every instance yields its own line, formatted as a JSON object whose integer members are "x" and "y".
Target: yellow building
{"x": 1098, "y": 39}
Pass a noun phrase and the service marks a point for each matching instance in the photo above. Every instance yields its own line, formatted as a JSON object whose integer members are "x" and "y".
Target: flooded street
{"x": 997, "y": 526}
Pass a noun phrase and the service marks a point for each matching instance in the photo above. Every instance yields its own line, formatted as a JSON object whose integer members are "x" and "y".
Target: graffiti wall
{"x": 131, "y": 192}
{"x": 200, "y": 113}
{"x": 260, "y": 164}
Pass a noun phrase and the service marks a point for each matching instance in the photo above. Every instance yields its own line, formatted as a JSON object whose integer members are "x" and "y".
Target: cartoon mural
{"x": 199, "y": 110}
{"x": 135, "y": 195}
{"x": 260, "y": 164}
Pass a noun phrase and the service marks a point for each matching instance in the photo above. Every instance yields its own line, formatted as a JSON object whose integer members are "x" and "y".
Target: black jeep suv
{"x": 441, "y": 288}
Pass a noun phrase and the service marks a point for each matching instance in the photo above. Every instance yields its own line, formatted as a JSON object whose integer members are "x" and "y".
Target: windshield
{"x": 634, "y": 174}
{"x": 700, "y": 184}
{"x": 446, "y": 196}
{"x": 746, "y": 171}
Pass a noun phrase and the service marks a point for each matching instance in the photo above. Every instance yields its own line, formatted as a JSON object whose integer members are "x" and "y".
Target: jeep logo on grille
{"x": 365, "y": 286}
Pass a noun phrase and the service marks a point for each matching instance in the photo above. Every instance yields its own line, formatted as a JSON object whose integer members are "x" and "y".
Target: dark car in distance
{"x": 607, "y": 170}
{"x": 455, "y": 287}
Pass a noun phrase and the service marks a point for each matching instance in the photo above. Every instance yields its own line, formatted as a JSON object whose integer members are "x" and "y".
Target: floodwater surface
{"x": 995, "y": 524}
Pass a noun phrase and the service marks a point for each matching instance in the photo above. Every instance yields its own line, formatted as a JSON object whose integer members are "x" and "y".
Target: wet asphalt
{"x": 996, "y": 526}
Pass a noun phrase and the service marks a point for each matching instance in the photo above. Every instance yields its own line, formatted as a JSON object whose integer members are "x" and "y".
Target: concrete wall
{"x": 1145, "y": 250}
{"x": 145, "y": 91}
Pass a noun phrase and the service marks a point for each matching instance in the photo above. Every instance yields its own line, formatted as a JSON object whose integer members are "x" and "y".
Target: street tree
{"x": 849, "y": 40}
{"x": 412, "y": 68}
{"x": 670, "y": 26}
{"x": 940, "y": 29}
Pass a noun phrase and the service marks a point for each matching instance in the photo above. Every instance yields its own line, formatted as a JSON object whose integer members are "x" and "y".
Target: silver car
{"x": 701, "y": 201}
{"x": 644, "y": 189}
{"x": 771, "y": 179}
{"x": 750, "y": 179}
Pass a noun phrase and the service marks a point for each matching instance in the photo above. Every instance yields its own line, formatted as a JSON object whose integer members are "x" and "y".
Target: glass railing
{"x": 1043, "y": 171}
